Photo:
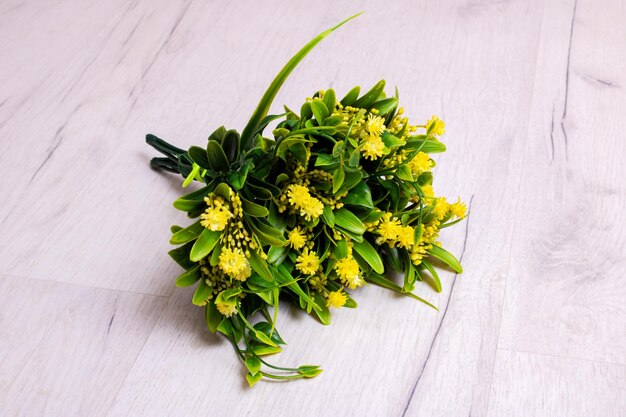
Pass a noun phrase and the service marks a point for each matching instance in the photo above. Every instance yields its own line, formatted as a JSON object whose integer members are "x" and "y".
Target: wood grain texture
{"x": 537, "y": 385}
{"x": 533, "y": 96}
{"x": 565, "y": 291}
{"x": 66, "y": 349}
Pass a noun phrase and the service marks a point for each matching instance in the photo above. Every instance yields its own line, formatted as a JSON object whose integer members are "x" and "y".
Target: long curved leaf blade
{"x": 266, "y": 101}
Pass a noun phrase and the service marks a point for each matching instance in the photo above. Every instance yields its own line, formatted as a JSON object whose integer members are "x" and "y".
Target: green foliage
{"x": 336, "y": 196}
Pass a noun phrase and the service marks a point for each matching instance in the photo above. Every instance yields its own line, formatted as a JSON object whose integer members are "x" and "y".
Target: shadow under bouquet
{"x": 338, "y": 196}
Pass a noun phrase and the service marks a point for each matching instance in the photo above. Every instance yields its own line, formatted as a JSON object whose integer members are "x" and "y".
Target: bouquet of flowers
{"x": 338, "y": 196}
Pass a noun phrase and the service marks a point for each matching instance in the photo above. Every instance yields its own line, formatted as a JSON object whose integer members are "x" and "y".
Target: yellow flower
{"x": 427, "y": 190}
{"x": 336, "y": 299}
{"x": 375, "y": 125}
{"x": 389, "y": 228}
{"x": 298, "y": 195}
{"x": 234, "y": 263}
{"x": 216, "y": 216}
{"x": 436, "y": 126}
{"x": 296, "y": 238}
{"x": 308, "y": 263}
{"x": 349, "y": 272}
{"x": 373, "y": 147}
{"x": 458, "y": 209}
{"x": 420, "y": 163}
{"x": 406, "y": 238}
{"x": 441, "y": 207}
{"x": 226, "y": 309}
{"x": 310, "y": 207}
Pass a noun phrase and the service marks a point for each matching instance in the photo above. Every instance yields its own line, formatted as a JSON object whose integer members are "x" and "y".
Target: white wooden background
{"x": 534, "y": 97}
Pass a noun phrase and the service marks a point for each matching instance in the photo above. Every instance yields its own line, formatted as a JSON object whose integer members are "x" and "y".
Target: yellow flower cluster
{"x": 309, "y": 206}
{"x": 436, "y": 126}
{"x": 296, "y": 238}
{"x": 308, "y": 262}
{"x": 226, "y": 309}
{"x": 348, "y": 271}
{"x": 217, "y": 214}
{"x": 336, "y": 299}
{"x": 420, "y": 163}
{"x": 234, "y": 263}
{"x": 372, "y": 145}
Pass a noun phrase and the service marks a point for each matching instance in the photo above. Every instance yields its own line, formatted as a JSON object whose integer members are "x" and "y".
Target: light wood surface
{"x": 534, "y": 98}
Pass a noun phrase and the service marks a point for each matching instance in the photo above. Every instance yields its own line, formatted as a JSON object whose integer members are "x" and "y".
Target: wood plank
{"x": 388, "y": 346}
{"x": 537, "y": 385}
{"x": 66, "y": 349}
{"x": 565, "y": 294}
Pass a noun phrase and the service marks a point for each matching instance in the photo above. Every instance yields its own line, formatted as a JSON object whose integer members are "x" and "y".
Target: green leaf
{"x": 213, "y": 317}
{"x": 360, "y": 195}
{"x": 370, "y": 97}
{"x": 385, "y": 105}
{"x": 263, "y": 350}
{"x": 424, "y": 144}
{"x": 253, "y": 364}
{"x": 230, "y": 145}
{"x": 391, "y": 141}
{"x": 446, "y": 257}
{"x": 345, "y": 219}
{"x": 187, "y": 234}
{"x": 201, "y": 294}
{"x": 433, "y": 280}
{"x": 319, "y": 111}
{"x": 199, "y": 156}
{"x": 330, "y": 100}
{"x": 350, "y": 181}
{"x": 323, "y": 314}
{"x": 253, "y": 209}
{"x": 189, "y": 278}
{"x": 192, "y": 201}
{"x": 218, "y": 134}
{"x": 267, "y": 234}
{"x": 266, "y": 328}
{"x": 326, "y": 160}
{"x": 223, "y": 190}
{"x": 267, "y": 99}
{"x": 404, "y": 173}
{"x": 204, "y": 244}
{"x": 309, "y": 371}
{"x": 253, "y": 379}
{"x": 259, "y": 266}
{"x": 338, "y": 178}
{"x": 180, "y": 255}
{"x": 369, "y": 254}
{"x": 328, "y": 216}
{"x": 351, "y": 97}
{"x": 217, "y": 158}
{"x": 381, "y": 281}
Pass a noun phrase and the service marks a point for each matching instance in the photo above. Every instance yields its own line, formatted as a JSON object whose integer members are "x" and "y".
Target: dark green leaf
{"x": 360, "y": 195}
{"x": 385, "y": 105}
{"x": 230, "y": 145}
{"x": 189, "y": 278}
{"x": 253, "y": 209}
{"x": 199, "y": 156}
{"x": 432, "y": 280}
{"x": 217, "y": 158}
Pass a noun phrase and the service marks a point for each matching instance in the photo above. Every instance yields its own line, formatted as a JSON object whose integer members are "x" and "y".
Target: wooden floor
{"x": 534, "y": 98}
